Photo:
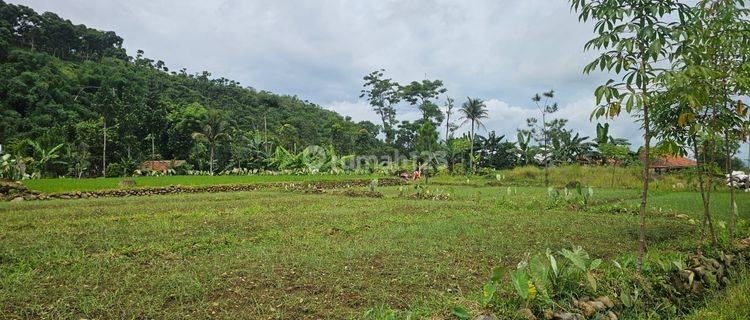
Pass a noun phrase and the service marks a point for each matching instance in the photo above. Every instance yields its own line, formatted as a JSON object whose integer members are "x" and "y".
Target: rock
{"x": 606, "y": 301}
{"x": 127, "y": 183}
{"x": 611, "y": 315}
{"x": 682, "y": 216}
{"x": 587, "y": 309}
{"x": 485, "y": 317}
{"x": 17, "y": 199}
{"x": 560, "y": 315}
{"x": 526, "y": 313}
{"x": 598, "y": 305}
{"x": 549, "y": 315}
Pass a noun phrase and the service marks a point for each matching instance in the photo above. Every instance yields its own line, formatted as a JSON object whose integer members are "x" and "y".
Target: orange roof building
{"x": 672, "y": 162}
{"x": 161, "y": 165}
{"x": 669, "y": 163}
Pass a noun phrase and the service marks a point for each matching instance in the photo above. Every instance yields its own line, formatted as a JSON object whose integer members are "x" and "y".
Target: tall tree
{"x": 709, "y": 70}
{"x": 421, "y": 94}
{"x": 633, "y": 36}
{"x": 382, "y": 94}
{"x": 473, "y": 111}
{"x": 450, "y": 127}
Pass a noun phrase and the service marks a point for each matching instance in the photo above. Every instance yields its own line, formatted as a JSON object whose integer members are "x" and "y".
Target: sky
{"x": 502, "y": 51}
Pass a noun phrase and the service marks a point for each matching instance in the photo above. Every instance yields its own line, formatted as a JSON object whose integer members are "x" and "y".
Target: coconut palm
{"x": 213, "y": 130}
{"x": 473, "y": 111}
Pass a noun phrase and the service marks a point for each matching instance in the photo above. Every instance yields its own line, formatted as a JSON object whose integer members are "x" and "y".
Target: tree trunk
{"x": 471, "y": 154}
{"x": 153, "y": 148}
{"x": 104, "y": 150}
{"x": 447, "y": 124}
{"x": 644, "y": 192}
{"x": 546, "y": 150}
{"x": 705, "y": 189}
{"x": 211, "y": 161}
{"x": 732, "y": 199}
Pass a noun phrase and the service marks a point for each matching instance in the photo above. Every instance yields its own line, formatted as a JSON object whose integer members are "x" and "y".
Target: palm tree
{"x": 473, "y": 110}
{"x": 213, "y": 130}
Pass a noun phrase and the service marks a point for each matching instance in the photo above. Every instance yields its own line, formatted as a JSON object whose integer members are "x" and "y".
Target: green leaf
{"x": 461, "y": 313}
{"x": 488, "y": 292}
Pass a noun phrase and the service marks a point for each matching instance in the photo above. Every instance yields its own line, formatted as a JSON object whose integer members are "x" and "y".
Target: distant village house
{"x": 161, "y": 165}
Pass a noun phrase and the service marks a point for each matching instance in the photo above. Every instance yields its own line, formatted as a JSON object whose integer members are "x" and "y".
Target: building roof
{"x": 672, "y": 162}
{"x": 161, "y": 165}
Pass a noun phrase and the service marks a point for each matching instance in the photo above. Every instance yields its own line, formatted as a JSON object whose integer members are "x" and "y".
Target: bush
{"x": 114, "y": 170}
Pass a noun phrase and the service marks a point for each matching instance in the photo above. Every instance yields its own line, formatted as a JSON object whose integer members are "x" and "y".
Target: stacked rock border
{"x": 18, "y": 192}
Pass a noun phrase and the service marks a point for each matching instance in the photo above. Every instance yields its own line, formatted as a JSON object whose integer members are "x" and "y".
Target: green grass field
{"x": 93, "y": 184}
{"x": 277, "y": 254}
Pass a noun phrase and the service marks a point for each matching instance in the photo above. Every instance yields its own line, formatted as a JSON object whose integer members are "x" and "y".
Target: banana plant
{"x": 43, "y": 158}
{"x": 13, "y": 168}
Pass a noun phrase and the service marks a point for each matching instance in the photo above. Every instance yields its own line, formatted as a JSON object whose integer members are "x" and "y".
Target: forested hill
{"x": 63, "y": 83}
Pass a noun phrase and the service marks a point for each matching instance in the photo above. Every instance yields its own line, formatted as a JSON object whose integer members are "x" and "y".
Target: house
{"x": 671, "y": 163}
{"x": 161, "y": 165}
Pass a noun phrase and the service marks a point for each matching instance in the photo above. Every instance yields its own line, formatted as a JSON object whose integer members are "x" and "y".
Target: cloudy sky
{"x": 502, "y": 51}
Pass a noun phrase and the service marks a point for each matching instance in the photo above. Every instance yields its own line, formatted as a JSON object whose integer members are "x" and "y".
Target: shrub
{"x": 114, "y": 170}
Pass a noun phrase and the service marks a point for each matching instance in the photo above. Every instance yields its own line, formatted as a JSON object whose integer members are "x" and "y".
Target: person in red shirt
{"x": 416, "y": 175}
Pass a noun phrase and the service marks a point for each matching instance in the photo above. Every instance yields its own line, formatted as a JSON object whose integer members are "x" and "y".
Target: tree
{"x": 542, "y": 132}
{"x": 43, "y": 158}
{"x": 421, "y": 94}
{"x": 634, "y": 36}
{"x": 709, "y": 69}
{"x": 382, "y": 94}
{"x": 525, "y": 150}
{"x": 615, "y": 152}
{"x": 450, "y": 127}
{"x": 213, "y": 130}
{"x": 473, "y": 111}
{"x": 152, "y": 138}
{"x": 496, "y": 153}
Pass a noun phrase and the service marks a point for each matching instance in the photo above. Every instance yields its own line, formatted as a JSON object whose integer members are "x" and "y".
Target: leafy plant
{"x": 581, "y": 260}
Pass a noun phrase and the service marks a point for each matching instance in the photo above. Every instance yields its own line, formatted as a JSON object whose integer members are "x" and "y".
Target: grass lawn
{"x": 93, "y": 184}
{"x": 276, "y": 254}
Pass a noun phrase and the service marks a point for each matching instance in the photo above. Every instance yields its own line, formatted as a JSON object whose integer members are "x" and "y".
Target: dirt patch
{"x": 362, "y": 193}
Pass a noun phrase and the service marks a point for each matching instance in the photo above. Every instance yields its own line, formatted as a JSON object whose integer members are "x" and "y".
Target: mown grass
{"x": 560, "y": 176}
{"x": 275, "y": 254}
{"x": 93, "y": 184}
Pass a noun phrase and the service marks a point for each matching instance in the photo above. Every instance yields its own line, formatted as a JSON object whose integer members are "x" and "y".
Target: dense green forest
{"x": 63, "y": 83}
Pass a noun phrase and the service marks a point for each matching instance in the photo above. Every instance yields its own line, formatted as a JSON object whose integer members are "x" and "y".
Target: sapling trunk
{"x": 104, "y": 149}
{"x": 644, "y": 193}
{"x": 732, "y": 200}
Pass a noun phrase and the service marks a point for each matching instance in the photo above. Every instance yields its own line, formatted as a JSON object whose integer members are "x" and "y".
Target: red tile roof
{"x": 161, "y": 165}
{"x": 672, "y": 162}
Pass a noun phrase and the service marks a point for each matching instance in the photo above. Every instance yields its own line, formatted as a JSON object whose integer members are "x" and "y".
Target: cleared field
{"x": 274, "y": 254}
{"x": 93, "y": 184}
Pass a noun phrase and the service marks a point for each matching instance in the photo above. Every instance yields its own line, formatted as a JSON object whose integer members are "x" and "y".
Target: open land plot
{"x": 277, "y": 254}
